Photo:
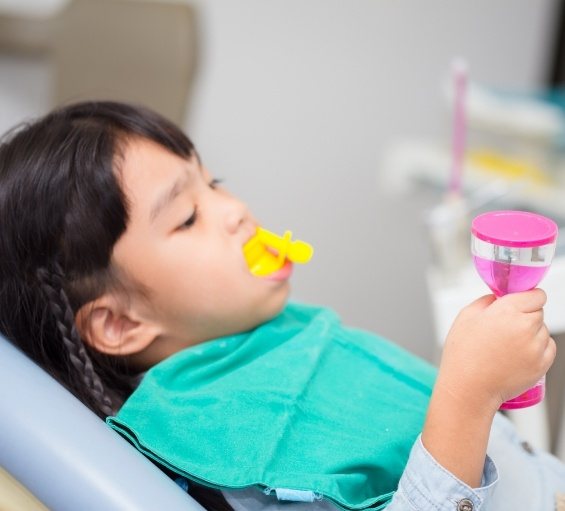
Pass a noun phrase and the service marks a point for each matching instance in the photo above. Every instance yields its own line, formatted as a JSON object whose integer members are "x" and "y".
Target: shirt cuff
{"x": 425, "y": 484}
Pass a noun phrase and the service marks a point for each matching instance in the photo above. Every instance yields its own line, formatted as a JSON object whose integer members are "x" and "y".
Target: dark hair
{"x": 62, "y": 211}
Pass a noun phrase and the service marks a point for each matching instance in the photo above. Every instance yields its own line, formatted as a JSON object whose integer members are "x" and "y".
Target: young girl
{"x": 122, "y": 256}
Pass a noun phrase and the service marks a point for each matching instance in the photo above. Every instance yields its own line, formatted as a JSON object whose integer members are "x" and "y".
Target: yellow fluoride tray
{"x": 267, "y": 252}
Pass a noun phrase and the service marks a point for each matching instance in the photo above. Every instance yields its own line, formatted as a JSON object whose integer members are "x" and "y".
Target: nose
{"x": 237, "y": 215}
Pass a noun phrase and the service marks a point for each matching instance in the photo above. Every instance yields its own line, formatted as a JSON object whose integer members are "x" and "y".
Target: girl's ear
{"x": 111, "y": 327}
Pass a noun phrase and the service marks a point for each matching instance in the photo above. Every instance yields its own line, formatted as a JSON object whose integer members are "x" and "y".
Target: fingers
{"x": 547, "y": 346}
{"x": 527, "y": 301}
{"x": 542, "y": 336}
{"x": 483, "y": 302}
{"x": 535, "y": 318}
{"x": 549, "y": 354}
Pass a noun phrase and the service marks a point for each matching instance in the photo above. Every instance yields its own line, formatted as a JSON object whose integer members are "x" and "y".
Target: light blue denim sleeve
{"x": 425, "y": 484}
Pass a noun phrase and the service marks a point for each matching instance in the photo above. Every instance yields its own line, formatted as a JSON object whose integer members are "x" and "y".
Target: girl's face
{"x": 183, "y": 244}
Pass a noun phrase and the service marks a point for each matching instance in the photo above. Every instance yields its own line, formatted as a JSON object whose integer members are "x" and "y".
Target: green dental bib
{"x": 300, "y": 403}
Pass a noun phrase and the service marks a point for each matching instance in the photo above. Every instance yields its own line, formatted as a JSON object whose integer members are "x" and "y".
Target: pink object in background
{"x": 512, "y": 251}
{"x": 459, "y": 80}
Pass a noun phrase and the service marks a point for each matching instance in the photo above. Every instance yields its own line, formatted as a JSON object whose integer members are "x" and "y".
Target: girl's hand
{"x": 496, "y": 349}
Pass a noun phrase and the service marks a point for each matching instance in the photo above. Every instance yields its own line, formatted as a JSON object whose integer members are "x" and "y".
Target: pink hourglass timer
{"x": 512, "y": 251}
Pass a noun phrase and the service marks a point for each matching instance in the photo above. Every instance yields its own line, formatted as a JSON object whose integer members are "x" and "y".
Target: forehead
{"x": 147, "y": 169}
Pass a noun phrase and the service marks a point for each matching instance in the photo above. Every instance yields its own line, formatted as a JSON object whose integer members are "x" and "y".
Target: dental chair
{"x": 55, "y": 448}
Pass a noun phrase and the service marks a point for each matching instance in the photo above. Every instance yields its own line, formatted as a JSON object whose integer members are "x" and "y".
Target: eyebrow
{"x": 169, "y": 196}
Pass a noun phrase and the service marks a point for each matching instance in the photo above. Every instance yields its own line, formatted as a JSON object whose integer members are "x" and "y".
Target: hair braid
{"x": 51, "y": 282}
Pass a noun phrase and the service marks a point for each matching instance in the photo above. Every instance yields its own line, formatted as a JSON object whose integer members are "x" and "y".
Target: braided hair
{"x": 51, "y": 283}
{"x": 62, "y": 210}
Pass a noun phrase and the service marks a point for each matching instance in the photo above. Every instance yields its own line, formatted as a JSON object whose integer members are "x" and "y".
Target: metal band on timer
{"x": 524, "y": 256}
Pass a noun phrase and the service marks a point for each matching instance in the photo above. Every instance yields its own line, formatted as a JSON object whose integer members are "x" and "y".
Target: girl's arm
{"x": 495, "y": 350}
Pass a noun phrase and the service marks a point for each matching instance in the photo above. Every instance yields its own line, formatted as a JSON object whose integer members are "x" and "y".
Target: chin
{"x": 278, "y": 309}
{"x": 270, "y": 306}
{"x": 278, "y": 304}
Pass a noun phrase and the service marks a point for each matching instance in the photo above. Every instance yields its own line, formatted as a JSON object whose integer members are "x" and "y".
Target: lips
{"x": 283, "y": 274}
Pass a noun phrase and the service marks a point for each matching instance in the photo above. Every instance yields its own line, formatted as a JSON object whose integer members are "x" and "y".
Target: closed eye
{"x": 215, "y": 183}
{"x": 190, "y": 221}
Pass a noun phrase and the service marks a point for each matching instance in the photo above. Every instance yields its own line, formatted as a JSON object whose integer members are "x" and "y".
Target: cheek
{"x": 209, "y": 276}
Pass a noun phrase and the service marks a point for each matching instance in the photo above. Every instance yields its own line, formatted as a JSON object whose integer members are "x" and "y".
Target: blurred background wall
{"x": 295, "y": 105}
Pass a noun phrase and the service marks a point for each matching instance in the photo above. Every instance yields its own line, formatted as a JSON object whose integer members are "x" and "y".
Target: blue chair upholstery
{"x": 65, "y": 455}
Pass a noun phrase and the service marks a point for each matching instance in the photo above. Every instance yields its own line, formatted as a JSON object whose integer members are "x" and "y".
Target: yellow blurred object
{"x": 508, "y": 168}
{"x": 16, "y": 497}
{"x": 267, "y": 252}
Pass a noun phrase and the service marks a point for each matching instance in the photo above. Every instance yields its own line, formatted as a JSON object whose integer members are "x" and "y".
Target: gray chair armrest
{"x": 65, "y": 455}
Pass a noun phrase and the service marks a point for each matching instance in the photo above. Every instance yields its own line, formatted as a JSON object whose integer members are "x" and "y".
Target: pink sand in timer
{"x": 512, "y": 251}
{"x": 505, "y": 278}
